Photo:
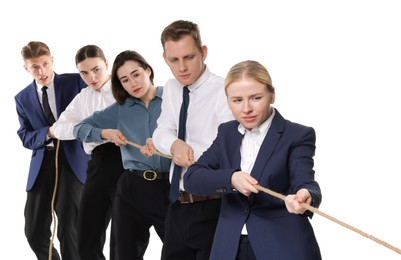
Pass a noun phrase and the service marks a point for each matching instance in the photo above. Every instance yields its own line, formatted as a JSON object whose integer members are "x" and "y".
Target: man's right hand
{"x": 183, "y": 154}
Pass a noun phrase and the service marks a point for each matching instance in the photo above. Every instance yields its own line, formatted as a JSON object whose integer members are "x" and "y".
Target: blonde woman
{"x": 259, "y": 147}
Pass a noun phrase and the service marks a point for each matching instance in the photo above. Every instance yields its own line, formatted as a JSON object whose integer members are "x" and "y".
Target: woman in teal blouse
{"x": 142, "y": 191}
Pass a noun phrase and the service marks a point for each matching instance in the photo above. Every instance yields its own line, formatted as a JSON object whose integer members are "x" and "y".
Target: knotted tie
{"x": 46, "y": 106}
{"x": 175, "y": 180}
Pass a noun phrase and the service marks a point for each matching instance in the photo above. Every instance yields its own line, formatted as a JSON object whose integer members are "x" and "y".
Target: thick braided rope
{"x": 315, "y": 210}
{"x": 307, "y": 207}
{"x": 52, "y": 203}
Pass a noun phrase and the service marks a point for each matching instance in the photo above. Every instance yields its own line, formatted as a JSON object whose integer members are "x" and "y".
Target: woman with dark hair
{"x": 105, "y": 165}
{"x": 142, "y": 191}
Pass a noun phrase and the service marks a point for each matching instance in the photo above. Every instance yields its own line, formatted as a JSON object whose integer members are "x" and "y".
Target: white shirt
{"x": 250, "y": 146}
{"x": 252, "y": 142}
{"x": 82, "y": 106}
{"x": 207, "y": 109}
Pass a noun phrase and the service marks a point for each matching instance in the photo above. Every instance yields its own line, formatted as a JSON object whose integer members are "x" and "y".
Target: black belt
{"x": 150, "y": 175}
{"x": 186, "y": 197}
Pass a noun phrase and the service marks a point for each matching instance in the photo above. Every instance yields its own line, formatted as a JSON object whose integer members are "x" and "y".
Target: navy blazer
{"x": 34, "y": 126}
{"x": 284, "y": 164}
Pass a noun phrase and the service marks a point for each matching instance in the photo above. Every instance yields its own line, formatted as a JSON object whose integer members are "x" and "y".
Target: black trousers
{"x": 245, "y": 251}
{"x": 104, "y": 169}
{"x": 190, "y": 230}
{"x": 139, "y": 204}
{"x": 38, "y": 217}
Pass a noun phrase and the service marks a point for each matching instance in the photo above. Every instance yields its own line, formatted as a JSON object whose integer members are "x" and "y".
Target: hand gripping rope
{"x": 304, "y": 205}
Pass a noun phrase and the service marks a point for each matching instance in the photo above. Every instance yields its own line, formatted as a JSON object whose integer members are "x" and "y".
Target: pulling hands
{"x": 149, "y": 148}
{"x": 293, "y": 201}
{"x": 50, "y": 133}
{"x": 183, "y": 154}
{"x": 115, "y": 136}
{"x": 244, "y": 183}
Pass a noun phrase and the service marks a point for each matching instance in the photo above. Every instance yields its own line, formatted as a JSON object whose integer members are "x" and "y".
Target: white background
{"x": 335, "y": 66}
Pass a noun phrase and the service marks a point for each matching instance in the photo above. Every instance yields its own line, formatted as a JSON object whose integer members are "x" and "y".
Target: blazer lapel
{"x": 268, "y": 145}
{"x": 33, "y": 94}
{"x": 56, "y": 93}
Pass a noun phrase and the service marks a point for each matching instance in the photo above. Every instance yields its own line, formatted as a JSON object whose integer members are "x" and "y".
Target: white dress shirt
{"x": 250, "y": 147}
{"x": 82, "y": 106}
{"x": 207, "y": 109}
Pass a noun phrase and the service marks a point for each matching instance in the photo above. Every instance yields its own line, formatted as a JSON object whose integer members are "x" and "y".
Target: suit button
{"x": 246, "y": 211}
{"x": 221, "y": 190}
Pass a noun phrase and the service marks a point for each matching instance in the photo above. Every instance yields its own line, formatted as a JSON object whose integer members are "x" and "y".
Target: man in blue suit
{"x": 35, "y": 120}
{"x": 260, "y": 147}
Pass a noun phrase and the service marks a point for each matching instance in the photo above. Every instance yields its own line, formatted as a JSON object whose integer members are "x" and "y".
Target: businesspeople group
{"x": 218, "y": 137}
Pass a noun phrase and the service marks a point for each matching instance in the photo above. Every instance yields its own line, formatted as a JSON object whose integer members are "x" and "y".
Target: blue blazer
{"x": 34, "y": 126}
{"x": 284, "y": 164}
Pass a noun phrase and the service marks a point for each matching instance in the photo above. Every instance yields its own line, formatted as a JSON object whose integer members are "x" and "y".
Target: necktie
{"x": 175, "y": 180}
{"x": 46, "y": 106}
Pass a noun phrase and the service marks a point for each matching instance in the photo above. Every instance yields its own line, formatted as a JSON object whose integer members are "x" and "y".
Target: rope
{"x": 307, "y": 207}
{"x": 52, "y": 203}
{"x": 153, "y": 152}
{"x": 315, "y": 210}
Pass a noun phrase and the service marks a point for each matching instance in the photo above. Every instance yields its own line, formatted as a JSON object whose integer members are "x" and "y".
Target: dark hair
{"x": 180, "y": 28}
{"x": 89, "y": 51}
{"x": 35, "y": 49}
{"x": 119, "y": 93}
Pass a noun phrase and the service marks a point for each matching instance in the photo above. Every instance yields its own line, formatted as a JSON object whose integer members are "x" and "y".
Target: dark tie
{"x": 46, "y": 106}
{"x": 175, "y": 180}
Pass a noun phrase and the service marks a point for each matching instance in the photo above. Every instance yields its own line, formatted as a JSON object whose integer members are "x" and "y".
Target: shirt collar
{"x": 49, "y": 86}
{"x": 202, "y": 79}
{"x": 159, "y": 92}
{"x": 132, "y": 100}
{"x": 106, "y": 86}
{"x": 263, "y": 128}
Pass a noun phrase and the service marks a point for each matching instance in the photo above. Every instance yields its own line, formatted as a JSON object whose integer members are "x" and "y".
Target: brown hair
{"x": 180, "y": 28}
{"x": 119, "y": 93}
{"x": 249, "y": 69}
{"x": 35, "y": 49}
{"x": 89, "y": 51}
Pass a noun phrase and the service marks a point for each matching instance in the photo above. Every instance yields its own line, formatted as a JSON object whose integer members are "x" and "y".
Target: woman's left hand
{"x": 293, "y": 202}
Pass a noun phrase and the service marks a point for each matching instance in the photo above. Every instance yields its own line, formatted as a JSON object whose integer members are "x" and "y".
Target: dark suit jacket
{"x": 284, "y": 164}
{"x": 34, "y": 126}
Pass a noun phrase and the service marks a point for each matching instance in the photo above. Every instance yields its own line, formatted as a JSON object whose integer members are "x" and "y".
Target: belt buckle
{"x": 181, "y": 198}
{"x": 149, "y": 179}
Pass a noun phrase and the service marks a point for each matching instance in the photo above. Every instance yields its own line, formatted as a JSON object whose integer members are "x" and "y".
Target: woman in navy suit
{"x": 259, "y": 147}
